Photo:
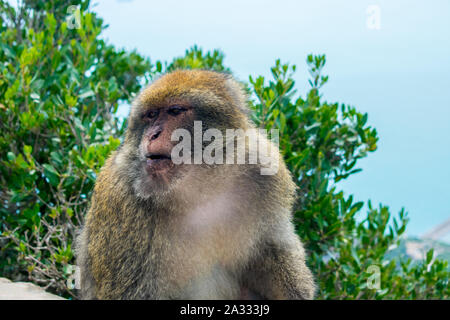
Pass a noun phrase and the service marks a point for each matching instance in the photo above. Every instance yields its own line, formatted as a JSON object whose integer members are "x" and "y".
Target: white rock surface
{"x": 23, "y": 291}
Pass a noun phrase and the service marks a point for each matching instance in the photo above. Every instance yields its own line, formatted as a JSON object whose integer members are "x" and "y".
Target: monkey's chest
{"x": 194, "y": 260}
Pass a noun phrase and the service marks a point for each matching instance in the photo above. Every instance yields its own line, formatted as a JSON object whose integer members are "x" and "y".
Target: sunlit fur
{"x": 209, "y": 232}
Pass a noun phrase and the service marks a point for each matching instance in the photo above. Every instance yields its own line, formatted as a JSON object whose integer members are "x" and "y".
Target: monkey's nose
{"x": 155, "y": 134}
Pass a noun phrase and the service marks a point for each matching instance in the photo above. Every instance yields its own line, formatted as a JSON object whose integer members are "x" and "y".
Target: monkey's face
{"x": 173, "y": 102}
{"x": 155, "y": 146}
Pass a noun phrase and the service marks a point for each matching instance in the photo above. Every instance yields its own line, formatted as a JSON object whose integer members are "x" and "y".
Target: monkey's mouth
{"x": 158, "y": 161}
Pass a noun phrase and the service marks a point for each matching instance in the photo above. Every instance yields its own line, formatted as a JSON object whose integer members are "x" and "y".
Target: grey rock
{"x": 23, "y": 291}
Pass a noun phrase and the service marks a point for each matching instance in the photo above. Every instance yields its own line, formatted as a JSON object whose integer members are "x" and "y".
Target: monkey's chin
{"x": 158, "y": 166}
{"x": 156, "y": 179}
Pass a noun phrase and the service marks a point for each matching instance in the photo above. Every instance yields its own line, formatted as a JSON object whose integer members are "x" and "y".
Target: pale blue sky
{"x": 399, "y": 74}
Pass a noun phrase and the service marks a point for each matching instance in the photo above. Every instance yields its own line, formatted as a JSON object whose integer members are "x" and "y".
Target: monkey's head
{"x": 173, "y": 102}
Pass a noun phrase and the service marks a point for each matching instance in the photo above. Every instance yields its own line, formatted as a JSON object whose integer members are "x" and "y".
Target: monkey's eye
{"x": 151, "y": 114}
{"x": 176, "y": 110}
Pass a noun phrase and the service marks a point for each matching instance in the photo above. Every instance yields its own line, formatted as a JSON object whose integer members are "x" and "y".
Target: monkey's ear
{"x": 238, "y": 94}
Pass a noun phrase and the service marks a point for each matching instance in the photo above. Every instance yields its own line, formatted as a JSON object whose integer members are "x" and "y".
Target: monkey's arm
{"x": 280, "y": 271}
{"x": 87, "y": 282}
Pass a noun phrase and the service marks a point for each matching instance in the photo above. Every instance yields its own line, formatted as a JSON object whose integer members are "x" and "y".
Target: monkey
{"x": 159, "y": 230}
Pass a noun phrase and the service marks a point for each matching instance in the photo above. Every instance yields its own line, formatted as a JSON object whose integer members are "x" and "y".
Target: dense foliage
{"x": 59, "y": 91}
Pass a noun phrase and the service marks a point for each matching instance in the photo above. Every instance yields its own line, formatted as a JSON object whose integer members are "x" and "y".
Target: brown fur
{"x": 217, "y": 232}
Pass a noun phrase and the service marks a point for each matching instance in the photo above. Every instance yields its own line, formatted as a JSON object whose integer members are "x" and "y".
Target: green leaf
{"x": 86, "y": 94}
{"x": 51, "y": 173}
{"x": 27, "y": 149}
{"x": 11, "y": 156}
{"x": 430, "y": 255}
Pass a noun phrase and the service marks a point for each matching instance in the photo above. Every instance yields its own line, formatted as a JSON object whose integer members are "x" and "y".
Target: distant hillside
{"x": 416, "y": 249}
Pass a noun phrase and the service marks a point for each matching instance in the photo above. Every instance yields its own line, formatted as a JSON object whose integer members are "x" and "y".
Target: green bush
{"x": 59, "y": 91}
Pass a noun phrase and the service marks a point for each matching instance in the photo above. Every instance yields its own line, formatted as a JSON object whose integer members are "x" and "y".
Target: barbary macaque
{"x": 164, "y": 229}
